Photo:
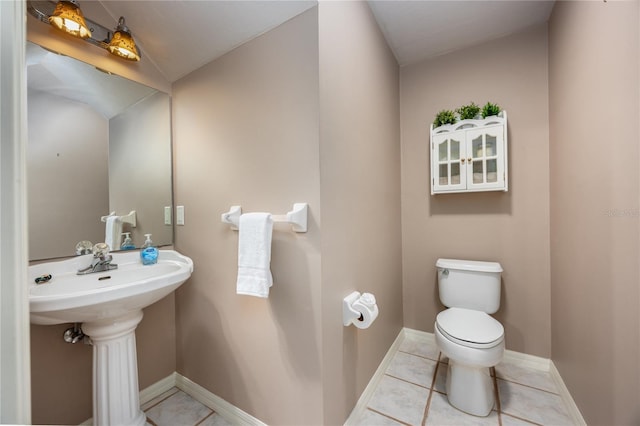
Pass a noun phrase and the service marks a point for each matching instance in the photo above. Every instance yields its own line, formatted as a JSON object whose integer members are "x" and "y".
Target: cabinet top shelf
{"x": 471, "y": 124}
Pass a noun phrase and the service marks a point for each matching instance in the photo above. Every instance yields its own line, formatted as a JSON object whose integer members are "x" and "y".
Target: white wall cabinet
{"x": 470, "y": 156}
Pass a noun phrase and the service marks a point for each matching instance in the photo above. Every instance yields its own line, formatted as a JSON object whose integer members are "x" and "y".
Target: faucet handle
{"x": 100, "y": 250}
{"x": 84, "y": 247}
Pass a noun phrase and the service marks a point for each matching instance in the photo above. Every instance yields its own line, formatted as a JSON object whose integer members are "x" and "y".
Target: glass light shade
{"x": 67, "y": 17}
{"x": 122, "y": 43}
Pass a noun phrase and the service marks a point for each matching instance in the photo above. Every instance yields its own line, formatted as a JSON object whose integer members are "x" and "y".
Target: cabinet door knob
{"x": 462, "y": 160}
{"x": 469, "y": 159}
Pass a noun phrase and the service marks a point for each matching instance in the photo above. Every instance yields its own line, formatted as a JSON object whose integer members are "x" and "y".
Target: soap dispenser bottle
{"x": 149, "y": 253}
{"x": 127, "y": 244}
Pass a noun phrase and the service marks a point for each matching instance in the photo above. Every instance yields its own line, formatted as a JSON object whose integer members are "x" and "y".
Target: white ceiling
{"x": 66, "y": 77}
{"x": 181, "y": 36}
{"x": 416, "y": 30}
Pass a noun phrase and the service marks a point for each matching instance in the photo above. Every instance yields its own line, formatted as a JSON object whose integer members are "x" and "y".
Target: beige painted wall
{"x": 140, "y": 173}
{"x": 67, "y": 166}
{"x": 248, "y": 122}
{"x": 360, "y": 192}
{"x": 246, "y": 133}
{"x": 282, "y": 119}
{"x": 61, "y": 372}
{"x": 593, "y": 86}
{"x": 511, "y": 228}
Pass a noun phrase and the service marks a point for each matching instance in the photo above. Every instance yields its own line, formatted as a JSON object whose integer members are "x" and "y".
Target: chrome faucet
{"x": 101, "y": 260}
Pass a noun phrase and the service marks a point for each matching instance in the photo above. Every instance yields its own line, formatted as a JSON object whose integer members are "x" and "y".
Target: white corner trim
{"x": 420, "y": 335}
{"x": 527, "y": 361}
{"x": 229, "y": 412}
{"x": 363, "y": 401}
{"x": 158, "y": 388}
{"x": 569, "y": 403}
{"x": 15, "y": 365}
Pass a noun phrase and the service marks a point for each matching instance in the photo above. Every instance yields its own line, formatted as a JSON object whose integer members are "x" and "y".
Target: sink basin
{"x": 109, "y": 305}
{"x": 68, "y": 297}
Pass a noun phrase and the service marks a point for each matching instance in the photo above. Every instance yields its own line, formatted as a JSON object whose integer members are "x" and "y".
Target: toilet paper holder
{"x": 365, "y": 313}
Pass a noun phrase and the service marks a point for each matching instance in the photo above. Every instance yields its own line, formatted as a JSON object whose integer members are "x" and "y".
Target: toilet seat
{"x": 470, "y": 328}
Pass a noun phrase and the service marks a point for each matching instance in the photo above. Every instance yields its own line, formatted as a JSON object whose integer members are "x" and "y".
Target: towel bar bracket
{"x": 296, "y": 217}
{"x": 128, "y": 218}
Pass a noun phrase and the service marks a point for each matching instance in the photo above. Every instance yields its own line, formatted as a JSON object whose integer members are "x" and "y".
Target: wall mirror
{"x": 98, "y": 143}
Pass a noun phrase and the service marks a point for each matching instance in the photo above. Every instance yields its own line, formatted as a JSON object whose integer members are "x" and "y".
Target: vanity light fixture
{"x": 67, "y": 16}
{"x": 122, "y": 43}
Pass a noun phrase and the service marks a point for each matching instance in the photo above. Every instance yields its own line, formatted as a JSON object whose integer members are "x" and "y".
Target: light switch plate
{"x": 167, "y": 215}
{"x": 179, "y": 215}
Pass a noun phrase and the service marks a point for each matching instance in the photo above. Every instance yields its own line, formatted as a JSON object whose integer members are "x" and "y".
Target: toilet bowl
{"x": 469, "y": 383}
{"x": 466, "y": 333}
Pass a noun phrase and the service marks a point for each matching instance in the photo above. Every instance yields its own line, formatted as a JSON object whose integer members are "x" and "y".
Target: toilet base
{"x": 470, "y": 389}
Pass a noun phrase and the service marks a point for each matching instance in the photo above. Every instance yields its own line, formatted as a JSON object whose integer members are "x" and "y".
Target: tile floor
{"x": 412, "y": 392}
{"x": 176, "y": 408}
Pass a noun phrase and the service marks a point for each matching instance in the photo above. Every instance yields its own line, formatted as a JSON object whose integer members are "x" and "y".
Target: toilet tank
{"x": 469, "y": 284}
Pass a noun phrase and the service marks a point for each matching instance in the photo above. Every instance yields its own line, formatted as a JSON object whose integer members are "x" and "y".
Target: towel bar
{"x": 129, "y": 218}
{"x": 296, "y": 217}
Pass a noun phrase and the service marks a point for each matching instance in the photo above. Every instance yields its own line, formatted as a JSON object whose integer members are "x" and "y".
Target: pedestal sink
{"x": 109, "y": 305}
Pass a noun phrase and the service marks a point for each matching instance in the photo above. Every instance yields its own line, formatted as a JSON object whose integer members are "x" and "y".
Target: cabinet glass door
{"x": 487, "y": 170}
{"x": 477, "y": 158}
{"x": 448, "y": 173}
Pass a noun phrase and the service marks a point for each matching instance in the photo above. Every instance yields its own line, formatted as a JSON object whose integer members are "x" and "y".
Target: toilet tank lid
{"x": 469, "y": 265}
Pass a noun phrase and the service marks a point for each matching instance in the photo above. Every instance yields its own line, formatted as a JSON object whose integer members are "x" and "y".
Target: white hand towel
{"x": 254, "y": 254}
{"x": 113, "y": 232}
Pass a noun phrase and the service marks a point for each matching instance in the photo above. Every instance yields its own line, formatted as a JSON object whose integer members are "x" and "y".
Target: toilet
{"x": 466, "y": 333}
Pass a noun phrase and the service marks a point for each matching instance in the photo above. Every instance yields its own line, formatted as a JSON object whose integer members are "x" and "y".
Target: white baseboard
{"x": 158, "y": 388}
{"x": 363, "y": 401}
{"x": 148, "y": 393}
{"x": 526, "y": 360}
{"x": 420, "y": 335}
{"x": 230, "y": 413}
{"x": 235, "y": 415}
{"x": 574, "y": 412}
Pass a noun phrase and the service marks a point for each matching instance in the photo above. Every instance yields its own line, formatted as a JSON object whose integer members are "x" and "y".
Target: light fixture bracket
{"x": 100, "y": 36}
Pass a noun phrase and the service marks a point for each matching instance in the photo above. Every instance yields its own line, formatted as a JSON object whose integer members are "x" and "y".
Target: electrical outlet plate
{"x": 179, "y": 215}
{"x": 167, "y": 215}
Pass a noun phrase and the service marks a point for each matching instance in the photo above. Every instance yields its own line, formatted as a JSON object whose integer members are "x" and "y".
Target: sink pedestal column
{"x": 115, "y": 371}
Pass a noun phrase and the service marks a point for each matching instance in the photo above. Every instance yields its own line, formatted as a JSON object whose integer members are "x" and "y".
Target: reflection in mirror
{"x": 98, "y": 143}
